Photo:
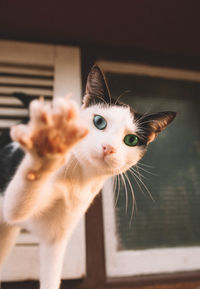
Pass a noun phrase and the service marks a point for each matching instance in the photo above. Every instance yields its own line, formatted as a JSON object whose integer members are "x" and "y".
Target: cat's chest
{"x": 76, "y": 196}
{"x": 63, "y": 213}
{"x": 78, "y": 189}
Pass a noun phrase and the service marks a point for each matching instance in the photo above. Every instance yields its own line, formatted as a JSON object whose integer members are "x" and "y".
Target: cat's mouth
{"x": 107, "y": 161}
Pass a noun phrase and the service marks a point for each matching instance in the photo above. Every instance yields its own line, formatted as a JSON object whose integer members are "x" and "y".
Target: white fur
{"x": 119, "y": 123}
{"x": 65, "y": 185}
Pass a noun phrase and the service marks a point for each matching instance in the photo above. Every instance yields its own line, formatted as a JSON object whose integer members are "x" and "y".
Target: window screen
{"x": 166, "y": 210}
{"x": 28, "y": 71}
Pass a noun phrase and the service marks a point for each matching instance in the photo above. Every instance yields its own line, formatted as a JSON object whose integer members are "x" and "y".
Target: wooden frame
{"x": 95, "y": 254}
{"x": 62, "y": 63}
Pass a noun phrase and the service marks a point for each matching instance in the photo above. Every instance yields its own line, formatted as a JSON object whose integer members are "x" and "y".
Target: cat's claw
{"x": 52, "y": 129}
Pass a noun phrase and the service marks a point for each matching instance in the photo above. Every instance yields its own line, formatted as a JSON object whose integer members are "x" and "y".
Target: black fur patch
{"x": 10, "y": 158}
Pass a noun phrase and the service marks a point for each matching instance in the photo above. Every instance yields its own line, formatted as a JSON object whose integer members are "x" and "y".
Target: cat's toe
{"x": 65, "y": 108}
{"x": 21, "y": 133}
{"x": 40, "y": 113}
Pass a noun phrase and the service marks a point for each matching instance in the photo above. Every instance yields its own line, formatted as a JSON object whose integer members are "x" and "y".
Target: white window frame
{"x": 23, "y": 262}
{"x": 126, "y": 263}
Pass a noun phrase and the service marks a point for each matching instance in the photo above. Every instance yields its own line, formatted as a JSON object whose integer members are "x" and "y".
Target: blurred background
{"x": 149, "y": 51}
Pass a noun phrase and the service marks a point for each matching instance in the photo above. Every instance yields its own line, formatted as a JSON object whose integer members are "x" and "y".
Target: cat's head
{"x": 118, "y": 136}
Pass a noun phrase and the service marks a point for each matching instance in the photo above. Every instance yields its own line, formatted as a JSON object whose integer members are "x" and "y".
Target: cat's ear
{"x": 96, "y": 88}
{"x": 153, "y": 124}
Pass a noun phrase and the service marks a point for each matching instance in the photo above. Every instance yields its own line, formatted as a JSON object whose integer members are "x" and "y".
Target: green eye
{"x": 131, "y": 140}
{"x": 99, "y": 122}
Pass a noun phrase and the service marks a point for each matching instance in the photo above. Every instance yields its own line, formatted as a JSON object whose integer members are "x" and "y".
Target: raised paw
{"x": 52, "y": 129}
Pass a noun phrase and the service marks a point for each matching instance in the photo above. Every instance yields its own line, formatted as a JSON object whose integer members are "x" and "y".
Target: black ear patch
{"x": 153, "y": 124}
{"x": 96, "y": 88}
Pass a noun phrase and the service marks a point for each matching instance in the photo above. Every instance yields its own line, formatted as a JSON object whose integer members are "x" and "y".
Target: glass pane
{"x": 171, "y": 219}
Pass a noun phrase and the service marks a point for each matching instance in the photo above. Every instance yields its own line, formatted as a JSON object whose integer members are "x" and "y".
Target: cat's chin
{"x": 106, "y": 165}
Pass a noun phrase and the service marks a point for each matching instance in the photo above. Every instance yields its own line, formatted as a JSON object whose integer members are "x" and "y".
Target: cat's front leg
{"x": 50, "y": 134}
{"x": 51, "y": 260}
{"x": 8, "y": 236}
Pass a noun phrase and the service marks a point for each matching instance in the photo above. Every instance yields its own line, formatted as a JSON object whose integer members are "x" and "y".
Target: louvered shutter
{"x": 29, "y": 71}
{"x": 19, "y": 84}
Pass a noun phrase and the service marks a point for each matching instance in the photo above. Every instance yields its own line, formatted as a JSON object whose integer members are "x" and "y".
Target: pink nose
{"x": 108, "y": 150}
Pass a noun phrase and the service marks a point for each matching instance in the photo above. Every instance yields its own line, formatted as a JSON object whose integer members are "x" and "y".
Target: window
{"x": 27, "y": 71}
{"x": 162, "y": 235}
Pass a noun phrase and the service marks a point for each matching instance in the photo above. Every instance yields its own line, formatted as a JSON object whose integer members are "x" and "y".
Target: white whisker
{"x": 126, "y": 192}
{"x": 137, "y": 182}
{"x": 137, "y": 172}
{"x": 114, "y": 183}
{"x": 118, "y": 190}
{"x": 101, "y": 98}
{"x": 138, "y": 166}
{"x": 133, "y": 197}
{"x": 145, "y": 165}
{"x": 143, "y": 184}
{"x": 122, "y": 94}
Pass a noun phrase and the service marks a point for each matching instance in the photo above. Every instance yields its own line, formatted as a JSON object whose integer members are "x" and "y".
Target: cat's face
{"x": 112, "y": 144}
{"x": 118, "y": 136}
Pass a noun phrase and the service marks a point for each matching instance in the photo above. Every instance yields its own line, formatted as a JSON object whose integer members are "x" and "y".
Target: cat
{"x": 65, "y": 155}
